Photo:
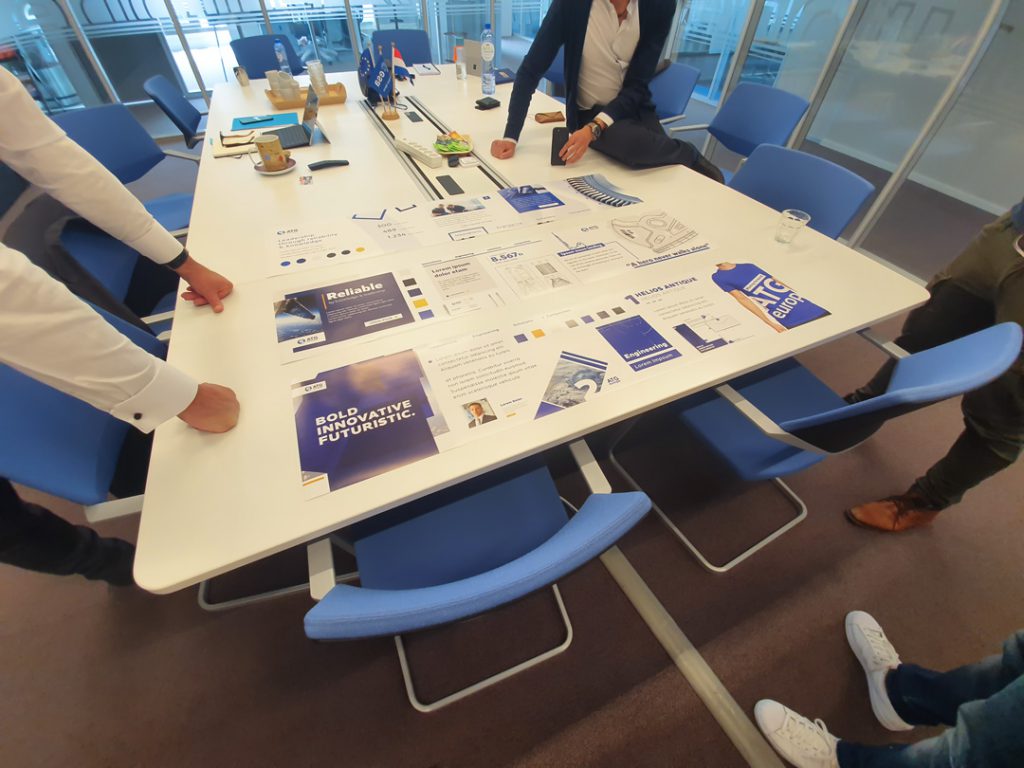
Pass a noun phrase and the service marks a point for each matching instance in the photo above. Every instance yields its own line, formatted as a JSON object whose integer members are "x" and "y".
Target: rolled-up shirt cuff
{"x": 169, "y": 393}
{"x": 157, "y": 245}
{"x": 605, "y": 118}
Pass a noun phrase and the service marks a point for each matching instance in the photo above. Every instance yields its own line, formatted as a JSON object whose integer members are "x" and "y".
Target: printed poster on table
{"x": 363, "y": 420}
{"x": 767, "y": 298}
{"x": 327, "y": 314}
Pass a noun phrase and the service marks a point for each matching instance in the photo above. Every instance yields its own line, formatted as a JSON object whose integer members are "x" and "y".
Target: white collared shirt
{"x": 607, "y": 50}
{"x": 45, "y": 331}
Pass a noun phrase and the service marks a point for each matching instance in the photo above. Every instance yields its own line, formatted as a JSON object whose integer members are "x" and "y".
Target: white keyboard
{"x": 421, "y": 152}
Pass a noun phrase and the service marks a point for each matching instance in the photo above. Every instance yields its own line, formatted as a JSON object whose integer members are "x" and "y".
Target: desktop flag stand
{"x": 377, "y": 82}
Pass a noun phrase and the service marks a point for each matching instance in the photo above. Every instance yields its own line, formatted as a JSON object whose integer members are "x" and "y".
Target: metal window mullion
{"x": 732, "y": 77}
{"x": 90, "y": 54}
{"x": 266, "y": 18}
{"x": 672, "y": 39}
{"x": 188, "y": 51}
{"x": 934, "y": 122}
{"x": 357, "y": 44}
{"x": 840, "y": 44}
{"x": 426, "y": 18}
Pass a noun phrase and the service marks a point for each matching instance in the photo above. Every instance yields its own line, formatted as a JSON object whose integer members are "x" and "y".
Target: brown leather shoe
{"x": 894, "y": 513}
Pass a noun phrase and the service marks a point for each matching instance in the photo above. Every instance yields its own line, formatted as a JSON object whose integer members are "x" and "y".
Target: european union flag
{"x": 381, "y": 82}
{"x": 365, "y": 67}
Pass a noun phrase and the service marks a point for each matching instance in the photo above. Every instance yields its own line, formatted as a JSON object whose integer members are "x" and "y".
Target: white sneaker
{"x": 876, "y": 654}
{"x": 801, "y": 742}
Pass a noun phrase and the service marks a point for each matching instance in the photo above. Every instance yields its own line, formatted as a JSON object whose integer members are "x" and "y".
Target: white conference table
{"x": 216, "y": 502}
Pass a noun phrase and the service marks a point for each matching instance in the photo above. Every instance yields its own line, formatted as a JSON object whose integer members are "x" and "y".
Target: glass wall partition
{"x": 39, "y": 46}
{"x": 385, "y": 14}
{"x": 970, "y": 172}
{"x": 901, "y": 58}
{"x": 452, "y": 21}
{"x": 516, "y": 24}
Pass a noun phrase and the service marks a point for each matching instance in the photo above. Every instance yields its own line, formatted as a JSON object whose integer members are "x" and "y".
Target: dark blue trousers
{"x": 983, "y": 702}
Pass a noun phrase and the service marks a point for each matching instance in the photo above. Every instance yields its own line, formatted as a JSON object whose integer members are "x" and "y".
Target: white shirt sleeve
{"x": 36, "y": 148}
{"x": 49, "y": 334}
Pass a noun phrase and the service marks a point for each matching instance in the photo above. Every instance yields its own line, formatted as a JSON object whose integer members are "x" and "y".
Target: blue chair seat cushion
{"x": 81, "y": 443}
{"x": 107, "y": 259}
{"x": 173, "y": 212}
{"x": 783, "y": 391}
{"x": 460, "y": 531}
{"x": 353, "y": 612}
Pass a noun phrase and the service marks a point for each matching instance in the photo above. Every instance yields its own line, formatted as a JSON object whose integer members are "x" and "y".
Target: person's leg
{"x": 987, "y": 732}
{"x": 924, "y": 697}
{"x": 993, "y": 433}
{"x": 34, "y": 538}
{"x": 949, "y": 314}
{"x": 642, "y": 143}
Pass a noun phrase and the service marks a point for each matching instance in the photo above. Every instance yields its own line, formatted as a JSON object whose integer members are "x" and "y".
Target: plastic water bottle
{"x": 282, "y": 57}
{"x": 487, "y": 61}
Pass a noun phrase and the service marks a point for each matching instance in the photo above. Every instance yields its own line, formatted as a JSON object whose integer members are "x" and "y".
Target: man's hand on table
{"x": 577, "y": 145}
{"x": 503, "y": 149}
{"x": 214, "y": 409}
{"x": 204, "y": 285}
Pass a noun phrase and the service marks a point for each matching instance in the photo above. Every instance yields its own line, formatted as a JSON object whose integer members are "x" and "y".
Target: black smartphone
{"x": 559, "y": 136}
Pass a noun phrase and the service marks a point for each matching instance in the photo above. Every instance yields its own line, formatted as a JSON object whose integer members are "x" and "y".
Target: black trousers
{"x": 34, "y": 538}
{"x": 641, "y": 142}
{"x": 984, "y": 285}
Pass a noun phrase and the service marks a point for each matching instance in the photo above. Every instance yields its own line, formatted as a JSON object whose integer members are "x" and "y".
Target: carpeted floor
{"x": 98, "y": 677}
{"x": 91, "y": 676}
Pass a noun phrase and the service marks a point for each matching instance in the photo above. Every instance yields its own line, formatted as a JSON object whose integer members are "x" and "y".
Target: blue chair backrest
{"x": 175, "y": 106}
{"x": 671, "y": 89}
{"x": 756, "y": 114}
{"x": 413, "y": 44}
{"x": 462, "y": 531}
{"x": 556, "y": 72}
{"x": 257, "y": 55}
{"x": 918, "y": 380}
{"x": 785, "y": 178}
{"x": 115, "y": 138}
{"x": 57, "y": 443}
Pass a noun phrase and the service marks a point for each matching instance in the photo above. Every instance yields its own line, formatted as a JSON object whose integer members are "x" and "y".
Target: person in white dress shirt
{"x": 50, "y": 335}
{"x": 611, "y": 51}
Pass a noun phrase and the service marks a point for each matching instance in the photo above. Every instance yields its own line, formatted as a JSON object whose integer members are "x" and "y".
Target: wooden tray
{"x": 336, "y": 94}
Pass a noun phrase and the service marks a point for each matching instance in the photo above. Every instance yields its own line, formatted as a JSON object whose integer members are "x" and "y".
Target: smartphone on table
{"x": 559, "y": 136}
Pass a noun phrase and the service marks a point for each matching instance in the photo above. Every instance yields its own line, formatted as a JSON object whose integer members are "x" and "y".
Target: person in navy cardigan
{"x": 612, "y": 48}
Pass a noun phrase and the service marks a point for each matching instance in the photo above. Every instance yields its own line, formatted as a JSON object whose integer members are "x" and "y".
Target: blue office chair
{"x": 122, "y": 146}
{"x": 177, "y": 108}
{"x": 555, "y": 74}
{"x": 413, "y": 44}
{"x": 464, "y": 551}
{"x": 64, "y": 446}
{"x": 671, "y": 90}
{"x": 112, "y": 263}
{"x": 257, "y": 55}
{"x": 753, "y": 115}
{"x": 782, "y": 419}
{"x": 785, "y": 178}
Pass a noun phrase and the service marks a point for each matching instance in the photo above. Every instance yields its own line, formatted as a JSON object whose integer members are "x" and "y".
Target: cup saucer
{"x": 289, "y": 166}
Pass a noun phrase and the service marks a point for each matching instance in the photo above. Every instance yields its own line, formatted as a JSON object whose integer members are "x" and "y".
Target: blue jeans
{"x": 984, "y": 703}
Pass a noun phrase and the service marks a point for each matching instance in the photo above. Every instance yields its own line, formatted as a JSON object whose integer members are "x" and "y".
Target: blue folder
{"x": 274, "y": 121}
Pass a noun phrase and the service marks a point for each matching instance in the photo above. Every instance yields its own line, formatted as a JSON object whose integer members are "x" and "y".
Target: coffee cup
{"x": 272, "y": 155}
{"x": 242, "y": 76}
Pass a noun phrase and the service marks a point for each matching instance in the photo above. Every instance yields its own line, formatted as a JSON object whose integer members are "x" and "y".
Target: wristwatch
{"x": 595, "y": 129}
